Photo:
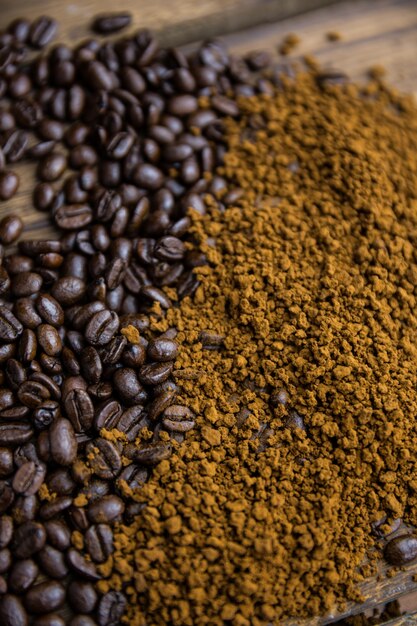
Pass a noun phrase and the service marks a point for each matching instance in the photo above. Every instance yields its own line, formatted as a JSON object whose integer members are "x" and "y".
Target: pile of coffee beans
{"x": 126, "y": 138}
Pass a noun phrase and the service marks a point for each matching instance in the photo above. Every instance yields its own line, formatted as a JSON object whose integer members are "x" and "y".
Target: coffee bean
{"x": 14, "y": 433}
{"x": 10, "y": 228}
{"x": 68, "y": 290}
{"x": 162, "y": 350}
{"x": 10, "y": 327}
{"x": 52, "y": 562}
{"x": 49, "y": 339}
{"x": 22, "y": 575}
{"x": 54, "y": 508}
{"x": 12, "y": 612}
{"x": 62, "y": 441}
{"x": 44, "y": 597}
{"x": 401, "y": 550}
{"x": 6, "y": 531}
{"x": 58, "y": 534}
{"x": 42, "y": 31}
{"x": 111, "y": 22}
{"x": 108, "y": 415}
{"x": 155, "y": 373}
{"x": 14, "y": 147}
{"x": 99, "y": 542}
{"x": 148, "y": 176}
{"x": 177, "y": 418}
{"x": 111, "y": 608}
{"x": 32, "y": 394}
{"x": 26, "y": 284}
{"x": 28, "y": 478}
{"x": 5, "y": 560}
{"x": 150, "y": 454}
{"x": 81, "y": 566}
{"x": 29, "y": 538}
{"x": 79, "y": 409}
{"x": 49, "y": 309}
{"x": 105, "y": 460}
{"x": 82, "y": 596}
{"x": 106, "y": 510}
{"x": 128, "y": 387}
{"x": 73, "y": 216}
{"x": 101, "y": 328}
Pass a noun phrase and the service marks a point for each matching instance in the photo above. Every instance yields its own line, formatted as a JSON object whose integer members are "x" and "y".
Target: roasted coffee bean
{"x": 79, "y": 408}
{"x": 177, "y": 418}
{"x": 42, "y": 31}
{"x": 14, "y": 146}
{"x": 12, "y": 612}
{"x": 106, "y": 510}
{"x": 49, "y": 309}
{"x": 162, "y": 350}
{"x": 28, "y": 539}
{"x": 155, "y": 373}
{"x": 111, "y": 608}
{"x": 5, "y": 560}
{"x": 4, "y": 280}
{"x": 62, "y": 441}
{"x": 91, "y": 365}
{"x": 102, "y": 327}
{"x": 28, "y": 478}
{"x": 10, "y": 327}
{"x": 58, "y": 534}
{"x": 99, "y": 542}
{"x": 61, "y": 482}
{"x": 81, "y": 566}
{"x": 11, "y": 227}
{"x": 401, "y": 550}
{"x": 111, "y": 22}
{"x": 82, "y": 596}
{"x": 150, "y": 454}
{"x": 160, "y": 403}
{"x": 52, "y": 509}
{"x": 45, "y": 414}
{"x": 105, "y": 459}
{"x": 68, "y": 290}
{"x": 26, "y": 314}
{"x": 52, "y": 562}
{"x": 6, "y": 350}
{"x": 27, "y": 346}
{"x": 148, "y": 176}
{"x": 43, "y": 196}
{"x": 25, "y": 509}
{"x": 108, "y": 415}
{"x": 22, "y": 575}
{"x": 49, "y": 339}
{"x": 32, "y": 393}
{"x": 128, "y": 387}
{"x": 6, "y": 531}
{"x": 73, "y": 216}
{"x": 44, "y": 597}
{"x": 14, "y": 433}
{"x": 6, "y": 467}
{"x": 26, "y": 284}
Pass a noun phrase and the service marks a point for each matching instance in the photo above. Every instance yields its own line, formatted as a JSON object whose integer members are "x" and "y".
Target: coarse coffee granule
{"x": 299, "y": 361}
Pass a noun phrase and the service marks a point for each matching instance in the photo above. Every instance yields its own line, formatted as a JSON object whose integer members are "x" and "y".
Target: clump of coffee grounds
{"x": 306, "y": 413}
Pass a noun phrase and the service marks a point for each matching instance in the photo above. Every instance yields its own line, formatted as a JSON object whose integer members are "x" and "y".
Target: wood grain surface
{"x": 177, "y": 21}
{"x": 382, "y": 32}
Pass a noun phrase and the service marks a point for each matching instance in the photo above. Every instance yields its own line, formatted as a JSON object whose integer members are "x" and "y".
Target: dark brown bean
{"x": 42, "y": 31}
{"x": 28, "y": 478}
{"x": 59, "y": 535}
{"x": 29, "y": 538}
{"x": 12, "y": 612}
{"x": 63, "y": 444}
{"x": 51, "y": 619}
{"x": 11, "y": 228}
{"x": 51, "y": 167}
{"x": 106, "y": 510}
{"x": 81, "y": 566}
{"x": 99, "y": 542}
{"x": 26, "y": 284}
{"x": 162, "y": 350}
{"x": 68, "y": 290}
{"x": 111, "y": 22}
{"x": 111, "y": 608}
{"x": 52, "y": 562}
{"x": 401, "y": 550}
{"x": 14, "y": 433}
{"x": 105, "y": 459}
{"x": 22, "y": 575}
{"x": 44, "y": 597}
{"x": 102, "y": 327}
{"x": 82, "y": 596}
{"x": 9, "y": 183}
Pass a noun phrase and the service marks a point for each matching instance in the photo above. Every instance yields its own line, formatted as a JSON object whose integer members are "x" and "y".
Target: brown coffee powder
{"x": 306, "y": 411}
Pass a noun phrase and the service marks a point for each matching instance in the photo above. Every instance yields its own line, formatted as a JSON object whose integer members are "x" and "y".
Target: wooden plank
{"x": 177, "y": 21}
{"x": 374, "y": 32}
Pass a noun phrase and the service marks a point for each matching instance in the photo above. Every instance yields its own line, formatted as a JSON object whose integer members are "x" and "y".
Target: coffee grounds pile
{"x": 298, "y": 357}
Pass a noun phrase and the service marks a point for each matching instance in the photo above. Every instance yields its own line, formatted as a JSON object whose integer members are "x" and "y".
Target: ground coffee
{"x": 298, "y": 360}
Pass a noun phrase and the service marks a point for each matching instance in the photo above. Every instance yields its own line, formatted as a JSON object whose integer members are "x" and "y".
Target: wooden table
{"x": 382, "y": 32}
